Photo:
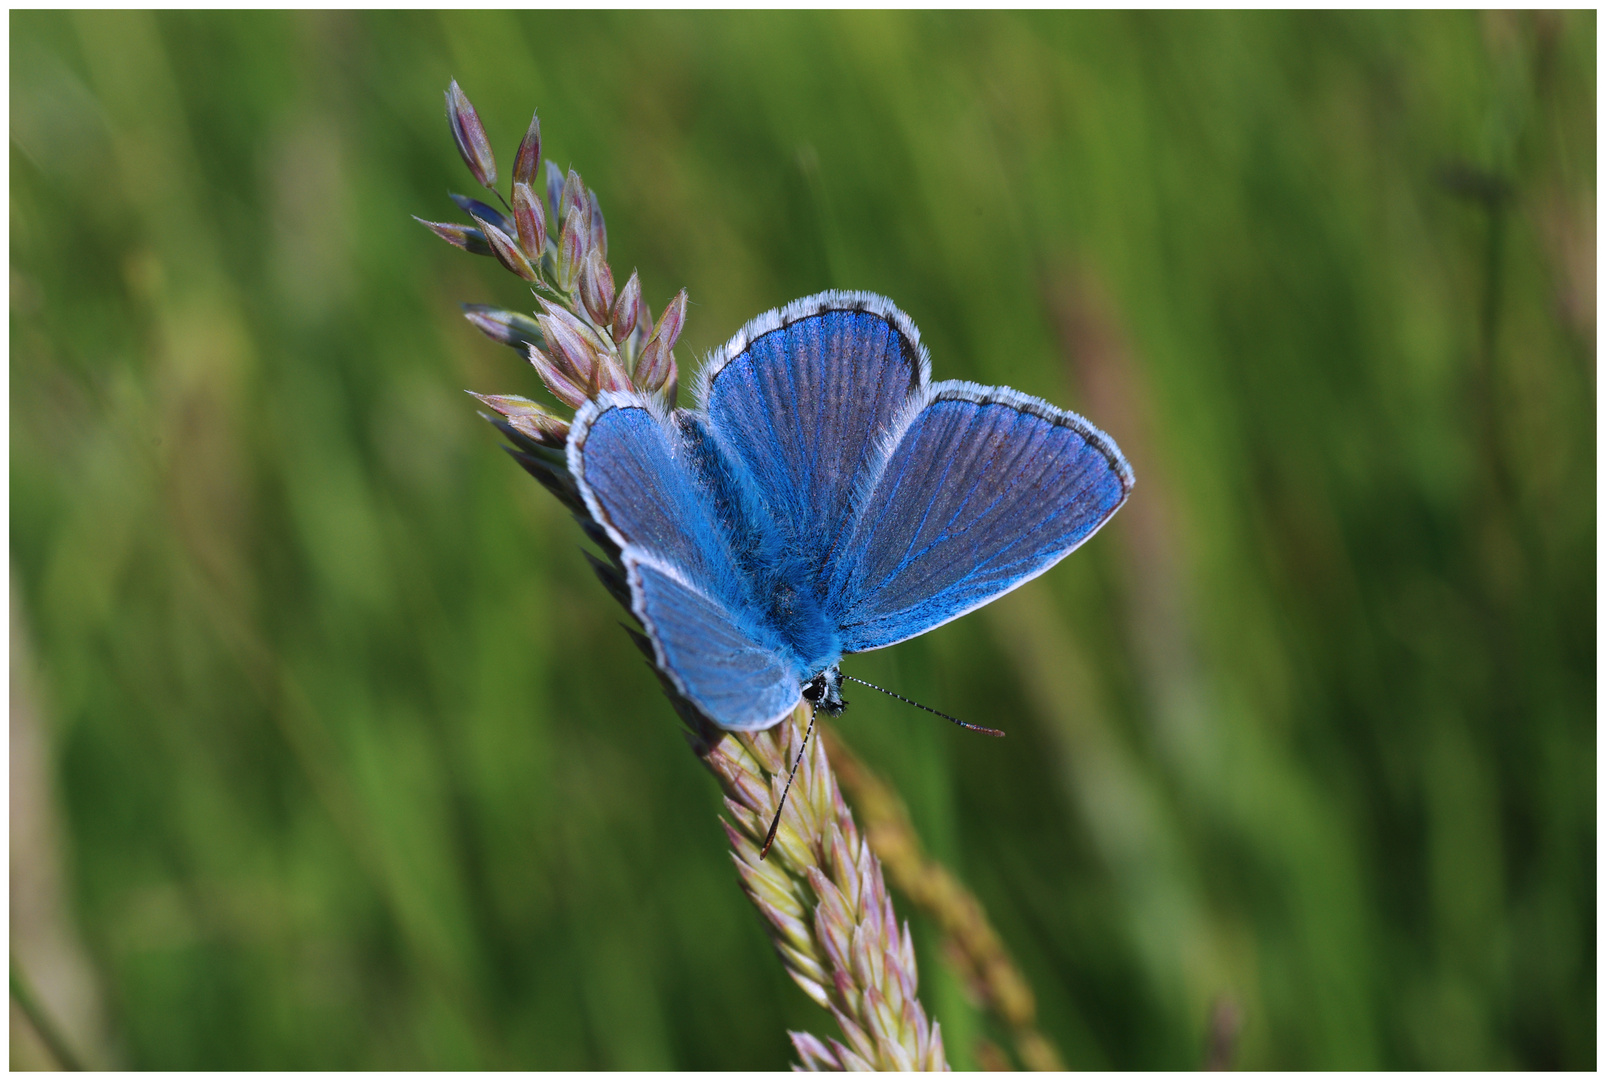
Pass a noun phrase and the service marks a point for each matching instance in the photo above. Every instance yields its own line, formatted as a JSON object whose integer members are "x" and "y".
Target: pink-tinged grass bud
{"x": 529, "y": 217}
{"x": 568, "y": 347}
{"x": 469, "y": 239}
{"x": 651, "y": 367}
{"x": 573, "y": 195}
{"x": 528, "y": 418}
{"x": 598, "y": 224}
{"x": 529, "y": 153}
{"x": 505, "y": 248}
{"x": 508, "y": 327}
{"x": 470, "y": 135}
{"x": 562, "y": 385}
{"x": 548, "y": 431}
{"x": 610, "y": 376}
{"x": 672, "y": 321}
{"x": 655, "y": 369}
{"x": 816, "y": 1056}
{"x": 642, "y": 331}
{"x": 554, "y": 193}
{"x": 596, "y": 341}
{"x": 572, "y": 246}
{"x": 627, "y": 309}
{"x": 596, "y": 287}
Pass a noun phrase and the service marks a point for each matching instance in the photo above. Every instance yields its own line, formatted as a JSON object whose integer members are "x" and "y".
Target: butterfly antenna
{"x": 927, "y": 708}
{"x": 774, "y": 826}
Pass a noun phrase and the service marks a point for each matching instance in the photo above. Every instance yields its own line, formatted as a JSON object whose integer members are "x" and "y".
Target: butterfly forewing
{"x": 640, "y": 485}
{"x": 802, "y": 401}
{"x": 986, "y": 489}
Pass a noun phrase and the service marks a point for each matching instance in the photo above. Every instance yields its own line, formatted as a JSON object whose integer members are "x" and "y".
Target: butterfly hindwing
{"x": 985, "y": 489}
{"x": 714, "y": 661}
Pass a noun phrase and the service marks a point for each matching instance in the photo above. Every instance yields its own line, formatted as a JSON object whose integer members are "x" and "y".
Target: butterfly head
{"x": 824, "y": 691}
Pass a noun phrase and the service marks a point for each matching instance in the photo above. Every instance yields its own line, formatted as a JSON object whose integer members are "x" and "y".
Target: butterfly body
{"x": 769, "y": 575}
{"x": 826, "y": 498}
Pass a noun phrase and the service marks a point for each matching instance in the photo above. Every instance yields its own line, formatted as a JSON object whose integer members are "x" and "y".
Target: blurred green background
{"x": 327, "y": 750}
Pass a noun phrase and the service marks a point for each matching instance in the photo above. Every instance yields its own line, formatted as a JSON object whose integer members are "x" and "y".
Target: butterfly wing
{"x": 984, "y": 489}
{"x": 801, "y": 400}
{"x": 710, "y": 653}
{"x": 643, "y": 482}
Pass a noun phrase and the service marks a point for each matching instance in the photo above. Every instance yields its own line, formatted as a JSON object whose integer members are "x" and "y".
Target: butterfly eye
{"x": 814, "y": 690}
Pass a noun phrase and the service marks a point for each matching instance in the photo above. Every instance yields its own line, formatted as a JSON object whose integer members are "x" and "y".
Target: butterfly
{"x": 824, "y": 497}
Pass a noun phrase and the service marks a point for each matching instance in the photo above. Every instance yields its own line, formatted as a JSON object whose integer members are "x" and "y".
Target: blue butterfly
{"x": 825, "y": 497}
